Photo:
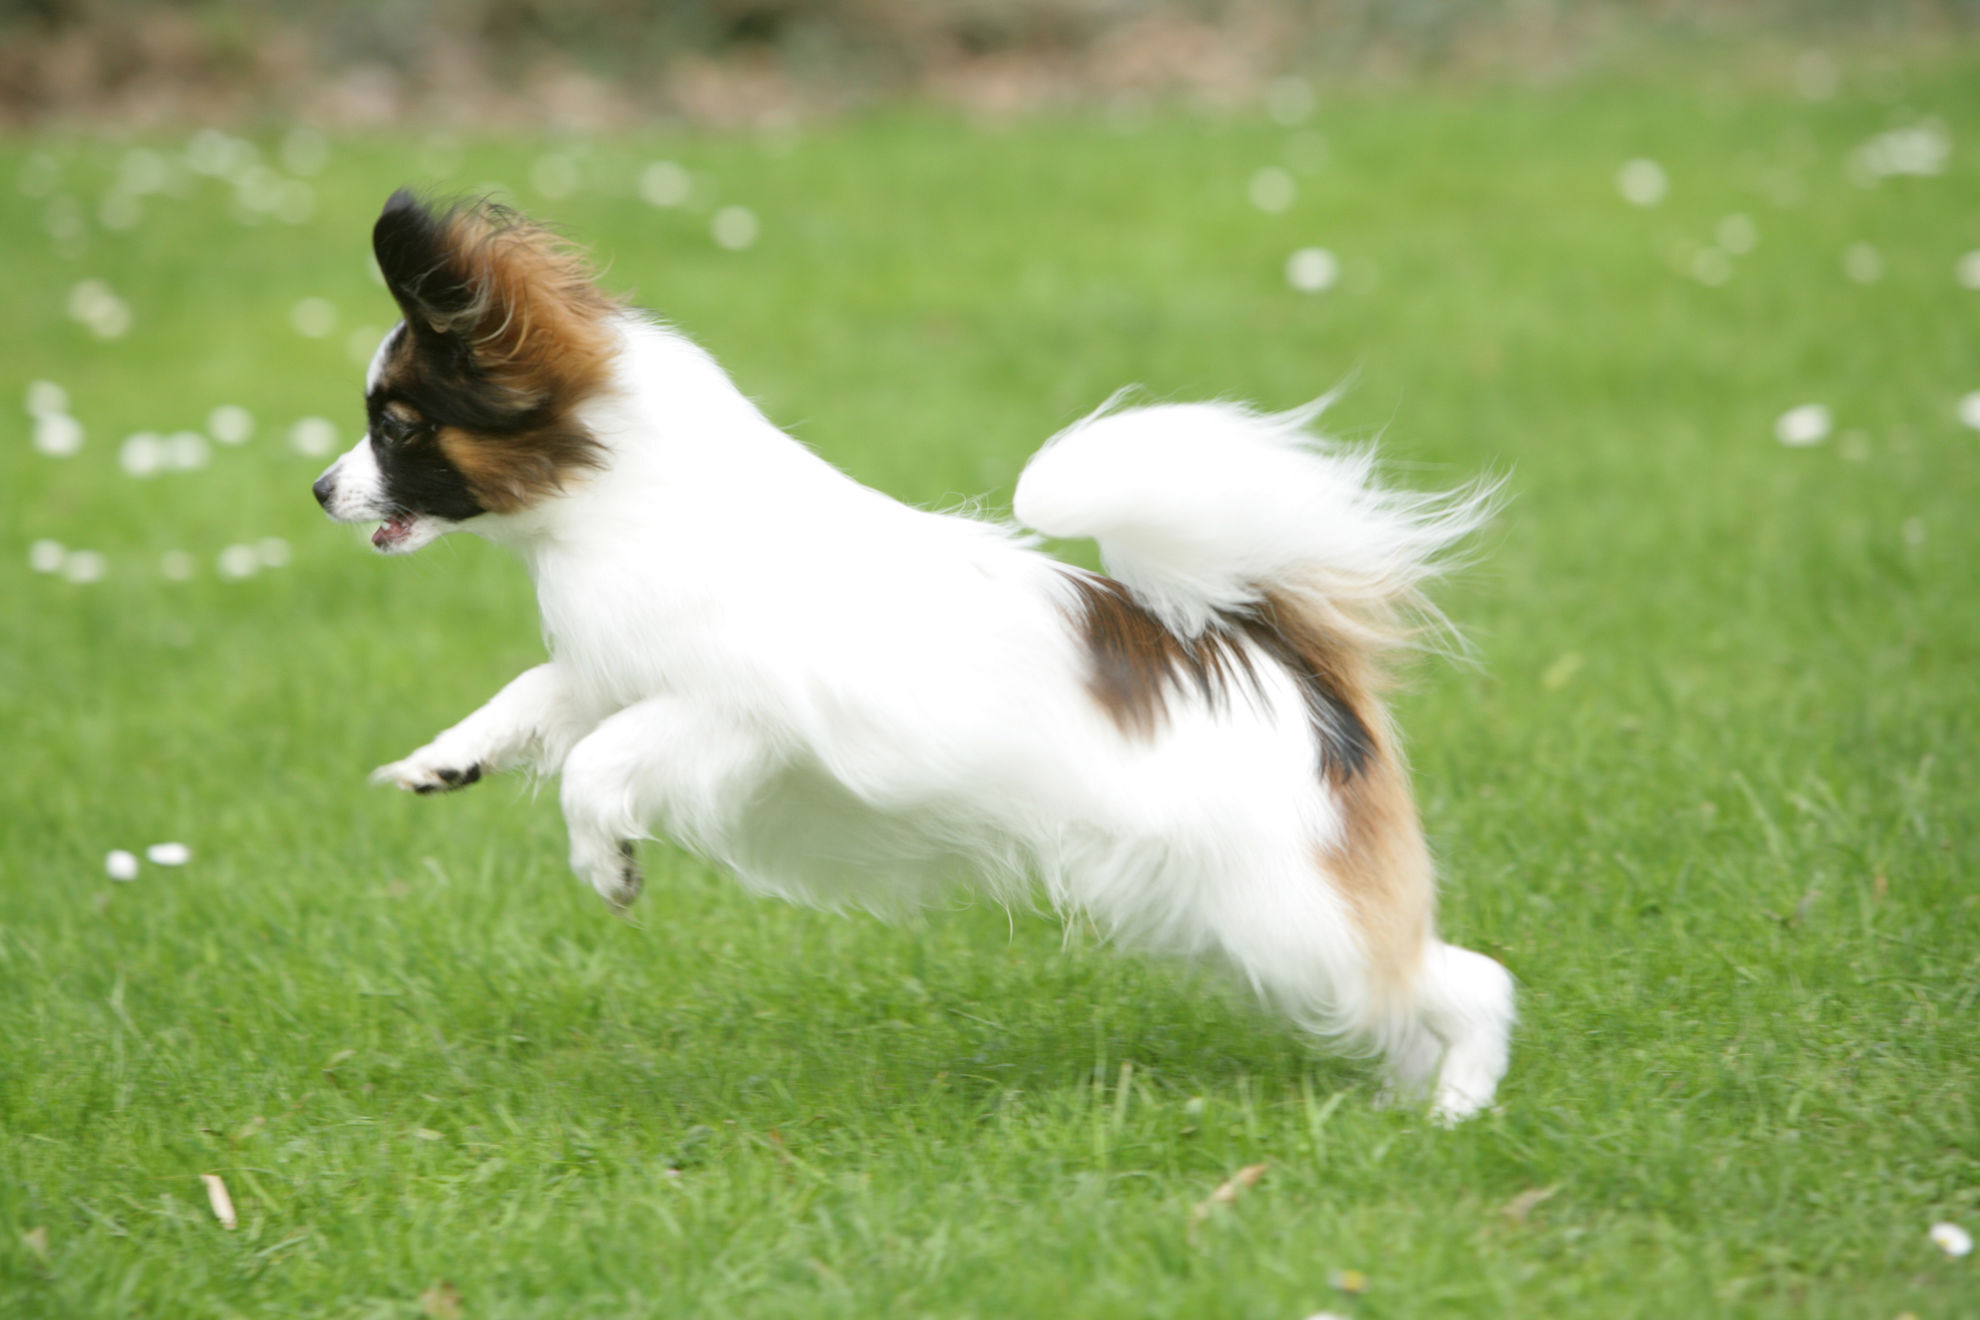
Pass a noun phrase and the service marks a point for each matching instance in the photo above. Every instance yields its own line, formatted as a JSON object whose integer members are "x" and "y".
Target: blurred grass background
{"x": 1708, "y": 792}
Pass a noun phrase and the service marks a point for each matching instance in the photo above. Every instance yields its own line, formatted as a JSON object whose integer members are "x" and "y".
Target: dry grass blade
{"x": 442, "y": 1301}
{"x": 1226, "y": 1194}
{"x": 217, "y": 1197}
{"x": 1523, "y": 1205}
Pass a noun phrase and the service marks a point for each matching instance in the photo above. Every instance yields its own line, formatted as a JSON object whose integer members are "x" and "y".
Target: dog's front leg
{"x": 533, "y": 718}
{"x": 661, "y": 763}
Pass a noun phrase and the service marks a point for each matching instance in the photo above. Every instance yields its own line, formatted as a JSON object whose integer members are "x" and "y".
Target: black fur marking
{"x": 1346, "y": 743}
{"x": 410, "y": 242}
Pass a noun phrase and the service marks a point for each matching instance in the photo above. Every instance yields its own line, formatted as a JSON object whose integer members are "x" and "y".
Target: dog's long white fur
{"x": 849, "y": 701}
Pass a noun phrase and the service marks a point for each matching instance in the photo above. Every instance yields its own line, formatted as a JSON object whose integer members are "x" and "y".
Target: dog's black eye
{"x": 395, "y": 430}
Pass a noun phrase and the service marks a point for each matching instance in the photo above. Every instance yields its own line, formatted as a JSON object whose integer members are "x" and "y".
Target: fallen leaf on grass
{"x": 1523, "y": 1205}
{"x": 442, "y": 1301}
{"x": 1226, "y": 1193}
{"x": 216, "y": 1196}
{"x": 1352, "y": 1282}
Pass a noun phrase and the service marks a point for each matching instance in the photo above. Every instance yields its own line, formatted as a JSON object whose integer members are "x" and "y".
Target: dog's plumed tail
{"x": 1203, "y": 510}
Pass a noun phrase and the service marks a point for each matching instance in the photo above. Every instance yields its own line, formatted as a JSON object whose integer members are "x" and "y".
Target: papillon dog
{"x": 847, "y": 701}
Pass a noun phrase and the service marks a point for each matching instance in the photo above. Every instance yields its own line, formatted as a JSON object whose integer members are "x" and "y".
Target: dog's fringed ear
{"x": 423, "y": 269}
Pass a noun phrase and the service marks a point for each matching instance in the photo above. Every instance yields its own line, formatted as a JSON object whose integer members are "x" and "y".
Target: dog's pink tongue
{"x": 392, "y": 529}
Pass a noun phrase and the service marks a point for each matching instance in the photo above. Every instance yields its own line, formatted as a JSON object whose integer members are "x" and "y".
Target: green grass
{"x": 1710, "y": 792}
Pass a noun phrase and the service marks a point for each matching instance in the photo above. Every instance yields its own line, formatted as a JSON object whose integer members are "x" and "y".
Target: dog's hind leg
{"x": 659, "y": 762}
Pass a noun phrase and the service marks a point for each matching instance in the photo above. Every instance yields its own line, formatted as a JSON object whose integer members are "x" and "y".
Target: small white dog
{"x": 848, "y": 701}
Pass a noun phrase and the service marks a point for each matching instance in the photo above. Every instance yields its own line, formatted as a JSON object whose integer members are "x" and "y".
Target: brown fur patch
{"x": 540, "y": 332}
{"x": 1382, "y": 867}
{"x": 1136, "y": 661}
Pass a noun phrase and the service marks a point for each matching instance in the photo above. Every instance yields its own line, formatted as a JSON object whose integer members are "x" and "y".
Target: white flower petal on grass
{"x": 1642, "y": 182}
{"x": 314, "y": 318}
{"x": 142, "y": 454}
{"x": 1737, "y": 234}
{"x": 1920, "y": 149}
{"x": 85, "y": 566}
{"x": 112, "y": 320}
{"x": 1272, "y": 190}
{"x": 1809, "y": 424}
{"x": 176, "y": 566}
{"x": 187, "y": 451}
{"x": 58, "y": 435}
{"x": 1862, "y": 263}
{"x": 735, "y": 227}
{"x": 1969, "y": 410}
{"x": 121, "y": 865}
{"x": 45, "y": 396}
{"x": 237, "y": 562}
{"x": 663, "y": 183}
{"x": 93, "y": 304}
{"x": 1313, "y": 270}
{"x": 1951, "y": 1239}
{"x": 169, "y": 854}
{"x": 230, "y": 424}
{"x": 47, "y": 556}
{"x": 214, "y": 153}
{"x": 1967, "y": 271}
{"x": 272, "y": 551}
{"x": 313, "y": 437}
{"x": 85, "y": 296}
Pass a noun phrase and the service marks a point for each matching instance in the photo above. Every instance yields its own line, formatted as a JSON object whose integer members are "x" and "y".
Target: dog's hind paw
{"x": 613, "y": 872}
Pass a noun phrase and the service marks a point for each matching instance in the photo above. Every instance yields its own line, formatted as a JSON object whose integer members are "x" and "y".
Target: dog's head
{"x": 472, "y": 400}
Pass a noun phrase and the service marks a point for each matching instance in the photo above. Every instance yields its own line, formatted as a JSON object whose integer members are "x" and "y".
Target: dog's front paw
{"x": 426, "y": 772}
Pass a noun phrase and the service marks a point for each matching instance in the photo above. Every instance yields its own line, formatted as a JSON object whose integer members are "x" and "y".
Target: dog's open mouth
{"x": 393, "y": 532}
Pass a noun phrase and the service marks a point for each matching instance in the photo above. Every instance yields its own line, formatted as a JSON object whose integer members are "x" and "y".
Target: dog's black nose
{"x": 322, "y": 490}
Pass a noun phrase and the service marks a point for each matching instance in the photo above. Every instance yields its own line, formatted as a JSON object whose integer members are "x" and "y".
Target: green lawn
{"x": 1710, "y": 791}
